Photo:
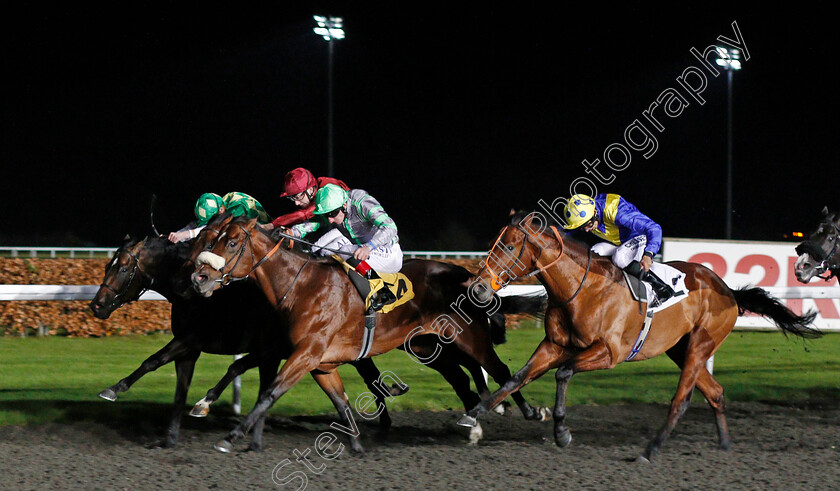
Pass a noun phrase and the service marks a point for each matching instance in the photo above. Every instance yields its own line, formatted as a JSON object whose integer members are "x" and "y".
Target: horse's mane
{"x": 517, "y": 217}
{"x": 577, "y": 243}
{"x": 274, "y": 239}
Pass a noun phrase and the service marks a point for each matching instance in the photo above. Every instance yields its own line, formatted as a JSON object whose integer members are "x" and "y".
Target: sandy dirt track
{"x": 774, "y": 447}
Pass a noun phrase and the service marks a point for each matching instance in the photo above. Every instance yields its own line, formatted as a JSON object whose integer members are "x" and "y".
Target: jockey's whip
{"x": 152, "y": 214}
{"x": 310, "y": 244}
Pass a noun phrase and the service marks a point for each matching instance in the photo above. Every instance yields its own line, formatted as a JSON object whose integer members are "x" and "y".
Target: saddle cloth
{"x": 673, "y": 278}
{"x": 398, "y": 283}
{"x": 670, "y": 275}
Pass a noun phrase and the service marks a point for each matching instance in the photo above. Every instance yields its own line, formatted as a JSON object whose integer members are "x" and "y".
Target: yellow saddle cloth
{"x": 398, "y": 283}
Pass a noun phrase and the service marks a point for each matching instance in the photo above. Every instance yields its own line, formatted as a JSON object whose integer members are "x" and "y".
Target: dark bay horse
{"x": 818, "y": 254}
{"x": 593, "y": 322}
{"x": 238, "y": 320}
{"x": 325, "y": 313}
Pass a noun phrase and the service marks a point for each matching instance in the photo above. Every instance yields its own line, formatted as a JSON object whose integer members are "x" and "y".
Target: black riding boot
{"x": 379, "y": 299}
{"x": 660, "y": 288}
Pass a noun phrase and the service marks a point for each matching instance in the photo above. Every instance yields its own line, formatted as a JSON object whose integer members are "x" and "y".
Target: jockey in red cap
{"x": 300, "y": 186}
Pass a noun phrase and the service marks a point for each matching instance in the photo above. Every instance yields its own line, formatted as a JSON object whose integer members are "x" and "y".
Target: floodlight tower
{"x": 331, "y": 29}
{"x": 730, "y": 60}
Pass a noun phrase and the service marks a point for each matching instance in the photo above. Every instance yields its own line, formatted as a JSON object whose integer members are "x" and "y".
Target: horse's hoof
{"x": 564, "y": 439}
{"x": 544, "y": 414}
{"x": 476, "y": 434}
{"x": 223, "y": 446}
{"x": 468, "y": 421}
{"x": 201, "y": 409}
{"x": 641, "y": 459}
{"x": 108, "y": 394}
{"x": 357, "y": 451}
{"x": 255, "y": 447}
{"x": 398, "y": 390}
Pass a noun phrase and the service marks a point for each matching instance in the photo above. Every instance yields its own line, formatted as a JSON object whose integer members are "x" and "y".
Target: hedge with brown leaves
{"x": 74, "y": 318}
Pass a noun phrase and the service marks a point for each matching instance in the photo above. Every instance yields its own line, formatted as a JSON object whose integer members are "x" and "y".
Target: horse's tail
{"x": 532, "y": 305}
{"x": 758, "y": 301}
{"x": 498, "y": 328}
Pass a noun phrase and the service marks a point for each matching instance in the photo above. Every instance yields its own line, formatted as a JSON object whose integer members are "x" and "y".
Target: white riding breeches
{"x": 386, "y": 259}
{"x": 623, "y": 255}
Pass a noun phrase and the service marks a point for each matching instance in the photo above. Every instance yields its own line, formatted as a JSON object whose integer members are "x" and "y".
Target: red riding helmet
{"x": 297, "y": 181}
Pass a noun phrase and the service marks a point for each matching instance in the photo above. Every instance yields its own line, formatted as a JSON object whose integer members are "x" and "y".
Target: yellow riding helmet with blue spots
{"x": 579, "y": 210}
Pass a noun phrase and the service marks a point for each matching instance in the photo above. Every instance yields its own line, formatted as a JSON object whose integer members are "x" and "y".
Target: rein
{"x": 292, "y": 238}
{"x": 227, "y": 278}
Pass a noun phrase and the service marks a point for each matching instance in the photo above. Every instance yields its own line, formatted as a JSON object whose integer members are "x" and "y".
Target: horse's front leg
{"x": 173, "y": 349}
{"x": 547, "y": 356}
{"x": 184, "y": 368}
{"x": 301, "y": 362}
{"x": 268, "y": 370}
{"x": 562, "y": 435}
{"x": 237, "y": 368}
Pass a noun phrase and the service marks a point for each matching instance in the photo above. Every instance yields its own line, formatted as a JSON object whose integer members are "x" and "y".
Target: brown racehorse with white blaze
{"x": 593, "y": 322}
{"x": 325, "y": 312}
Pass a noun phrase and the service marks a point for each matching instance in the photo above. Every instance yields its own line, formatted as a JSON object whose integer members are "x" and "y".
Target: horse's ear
{"x": 512, "y": 212}
{"x": 825, "y": 211}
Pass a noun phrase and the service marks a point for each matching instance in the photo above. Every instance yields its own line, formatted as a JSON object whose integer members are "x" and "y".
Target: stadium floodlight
{"x": 730, "y": 60}
{"x": 331, "y": 29}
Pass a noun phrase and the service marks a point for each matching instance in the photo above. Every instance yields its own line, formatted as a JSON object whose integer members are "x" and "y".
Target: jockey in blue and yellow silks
{"x": 632, "y": 238}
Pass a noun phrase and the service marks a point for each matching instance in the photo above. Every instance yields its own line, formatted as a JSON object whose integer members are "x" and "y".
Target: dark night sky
{"x": 449, "y": 116}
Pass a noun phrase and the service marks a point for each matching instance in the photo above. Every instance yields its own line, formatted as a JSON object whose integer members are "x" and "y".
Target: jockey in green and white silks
{"x": 209, "y": 205}
{"x": 360, "y": 227}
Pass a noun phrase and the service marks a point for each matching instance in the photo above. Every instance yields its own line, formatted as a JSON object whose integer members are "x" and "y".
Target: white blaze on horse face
{"x": 805, "y": 268}
{"x": 214, "y": 261}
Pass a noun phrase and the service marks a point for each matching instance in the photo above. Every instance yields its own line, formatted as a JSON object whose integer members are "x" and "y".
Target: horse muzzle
{"x": 481, "y": 291}
{"x": 806, "y": 268}
{"x": 202, "y": 282}
{"x": 99, "y": 309}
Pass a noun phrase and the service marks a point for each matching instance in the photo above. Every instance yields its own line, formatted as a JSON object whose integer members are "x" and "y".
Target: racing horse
{"x": 818, "y": 254}
{"x": 325, "y": 313}
{"x": 236, "y": 321}
{"x": 593, "y": 323}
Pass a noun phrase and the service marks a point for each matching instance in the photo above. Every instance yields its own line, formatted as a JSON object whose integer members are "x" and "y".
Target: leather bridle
{"x": 118, "y": 295}
{"x": 496, "y": 282}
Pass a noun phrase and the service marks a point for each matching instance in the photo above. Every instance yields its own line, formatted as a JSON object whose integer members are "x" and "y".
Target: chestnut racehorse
{"x": 239, "y": 320}
{"x": 325, "y": 313}
{"x": 593, "y": 322}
